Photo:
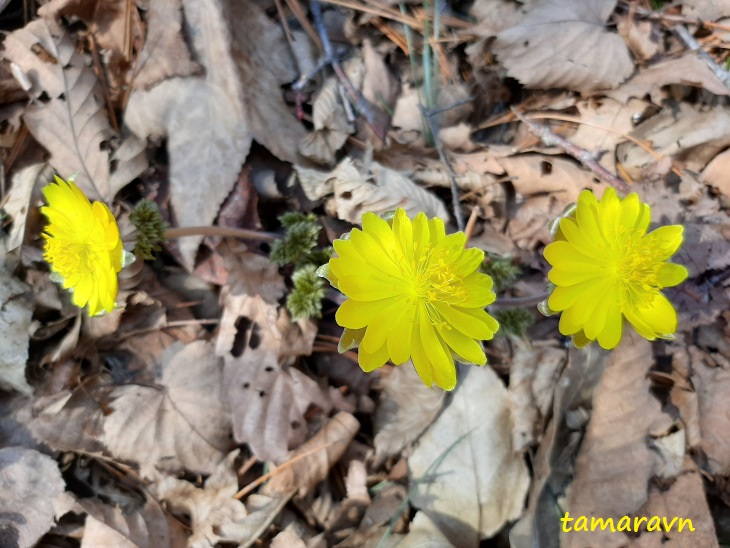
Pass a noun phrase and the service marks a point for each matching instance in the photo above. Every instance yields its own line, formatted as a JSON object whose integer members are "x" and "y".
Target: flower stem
{"x": 243, "y": 233}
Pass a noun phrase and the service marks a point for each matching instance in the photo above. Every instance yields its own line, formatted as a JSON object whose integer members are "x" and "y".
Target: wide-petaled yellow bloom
{"x": 83, "y": 246}
{"x": 607, "y": 268}
{"x": 413, "y": 293}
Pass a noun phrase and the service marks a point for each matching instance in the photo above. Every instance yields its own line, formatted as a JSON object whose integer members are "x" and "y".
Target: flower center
{"x": 435, "y": 280}
{"x": 72, "y": 260}
{"x": 637, "y": 262}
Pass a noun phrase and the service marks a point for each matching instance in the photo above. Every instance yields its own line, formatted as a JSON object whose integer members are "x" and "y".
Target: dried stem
{"x": 586, "y": 158}
{"x": 519, "y": 302}
{"x": 692, "y": 44}
{"x": 242, "y": 233}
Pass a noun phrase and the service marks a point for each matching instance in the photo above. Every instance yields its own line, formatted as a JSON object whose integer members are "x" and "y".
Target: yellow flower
{"x": 83, "y": 246}
{"x": 413, "y": 293}
{"x": 606, "y": 268}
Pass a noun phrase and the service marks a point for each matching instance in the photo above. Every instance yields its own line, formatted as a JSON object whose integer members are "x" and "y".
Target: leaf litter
{"x": 199, "y": 413}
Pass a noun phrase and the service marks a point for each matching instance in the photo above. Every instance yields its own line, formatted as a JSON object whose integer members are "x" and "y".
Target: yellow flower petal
{"x": 378, "y": 330}
{"x": 465, "y": 347}
{"x": 401, "y": 335}
{"x": 611, "y": 334}
{"x": 666, "y": 240}
{"x": 671, "y": 274}
{"x": 371, "y": 361}
{"x": 358, "y": 314}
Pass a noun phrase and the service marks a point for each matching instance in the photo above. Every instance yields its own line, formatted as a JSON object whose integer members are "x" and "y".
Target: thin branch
{"x": 692, "y": 44}
{"x": 519, "y": 302}
{"x": 586, "y": 158}
{"x": 242, "y": 233}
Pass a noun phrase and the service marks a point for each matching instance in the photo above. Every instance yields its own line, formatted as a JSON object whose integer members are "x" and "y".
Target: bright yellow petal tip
{"x": 606, "y": 268}
{"x": 414, "y": 293}
{"x": 83, "y": 246}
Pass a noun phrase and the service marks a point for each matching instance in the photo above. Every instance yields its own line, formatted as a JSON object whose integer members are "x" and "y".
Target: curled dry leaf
{"x": 616, "y": 462}
{"x": 565, "y": 44}
{"x": 712, "y": 384}
{"x": 31, "y": 485}
{"x": 18, "y": 204}
{"x": 180, "y": 423}
{"x": 405, "y": 410}
{"x": 707, "y": 10}
{"x": 464, "y": 473}
{"x": 73, "y": 125}
{"x": 310, "y": 463}
{"x": 424, "y": 533}
{"x": 378, "y": 189}
{"x": 259, "y": 343}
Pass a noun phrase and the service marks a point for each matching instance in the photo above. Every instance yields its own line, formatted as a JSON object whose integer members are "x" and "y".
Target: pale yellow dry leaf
{"x": 314, "y": 458}
{"x": 616, "y": 462}
{"x": 689, "y": 70}
{"x": 480, "y": 483}
{"x": 565, "y": 44}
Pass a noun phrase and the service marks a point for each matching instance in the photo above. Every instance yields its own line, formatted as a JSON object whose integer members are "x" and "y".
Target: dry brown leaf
{"x": 480, "y": 483}
{"x": 687, "y": 134}
{"x": 406, "y": 409}
{"x": 32, "y": 488}
{"x": 379, "y": 189}
{"x": 179, "y": 423}
{"x": 533, "y": 375}
{"x": 707, "y": 10}
{"x": 73, "y": 125}
{"x": 17, "y": 203}
{"x": 537, "y": 174}
{"x": 712, "y": 384}
{"x": 316, "y": 457}
{"x": 684, "y": 499}
{"x": 265, "y": 63}
{"x": 203, "y": 119}
{"x": 15, "y": 319}
{"x": 108, "y": 525}
{"x": 424, "y": 533}
{"x": 565, "y": 44}
{"x": 494, "y": 17}
{"x": 640, "y": 37}
{"x": 210, "y": 508}
{"x": 616, "y": 460}
{"x": 554, "y": 462}
{"x": 165, "y": 53}
{"x": 259, "y": 343}
{"x": 610, "y": 114}
{"x": 715, "y": 174}
{"x": 688, "y": 70}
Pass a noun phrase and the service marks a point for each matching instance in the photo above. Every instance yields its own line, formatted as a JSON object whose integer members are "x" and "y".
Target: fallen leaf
{"x": 259, "y": 343}
{"x": 714, "y": 175}
{"x": 73, "y": 125}
{"x": 405, "y": 410}
{"x": 639, "y": 36}
{"x": 688, "y": 135}
{"x": 688, "y": 69}
{"x": 180, "y": 423}
{"x": 108, "y": 525}
{"x": 616, "y": 462}
{"x": 533, "y": 376}
{"x": 165, "y": 53}
{"x": 464, "y": 473}
{"x": 31, "y": 485}
{"x": 686, "y": 500}
{"x": 310, "y": 462}
{"x": 711, "y": 385}
{"x": 707, "y": 10}
{"x": 209, "y": 508}
{"x": 424, "y": 533}
{"x": 15, "y": 319}
{"x": 17, "y": 203}
{"x": 565, "y": 44}
{"x": 287, "y": 539}
{"x": 379, "y": 189}
{"x": 494, "y": 17}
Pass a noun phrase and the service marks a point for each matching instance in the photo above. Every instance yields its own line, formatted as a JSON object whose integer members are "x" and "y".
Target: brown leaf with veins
{"x": 616, "y": 461}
